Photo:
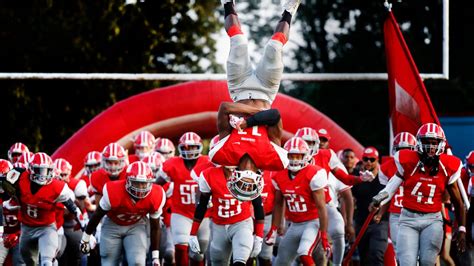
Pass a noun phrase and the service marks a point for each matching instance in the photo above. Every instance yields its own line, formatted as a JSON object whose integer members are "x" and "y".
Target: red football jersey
{"x": 387, "y": 170}
{"x": 39, "y": 209}
{"x": 133, "y": 158}
{"x": 184, "y": 188}
{"x": 253, "y": 141}
{"x": 100, "y": 177}
{"x": 123, "y": 210}
{"x": 268, "y": 193}
{"x": 300, "y": 205}
{"x": 226, "y": 209}
{"x": 423, "y": 192}
{"x": 197, "y": 170}
{"x": 11, "y": 213}
{"x": 169, "y": 202}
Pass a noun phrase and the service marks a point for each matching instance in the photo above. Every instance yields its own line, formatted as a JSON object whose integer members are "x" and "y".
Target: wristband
{"x": 195, "y": 228}
{"x": 462, "y": 228}
{"x": 155, "y": 254}
{"x": 86, "y": 237}
{"x": 258, "y": 228}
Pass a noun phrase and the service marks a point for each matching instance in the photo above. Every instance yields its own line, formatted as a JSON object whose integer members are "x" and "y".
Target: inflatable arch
{"x": 192, "y": 106}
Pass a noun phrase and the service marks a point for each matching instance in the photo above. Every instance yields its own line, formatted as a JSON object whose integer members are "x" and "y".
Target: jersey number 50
{"x": 188, "y": 193}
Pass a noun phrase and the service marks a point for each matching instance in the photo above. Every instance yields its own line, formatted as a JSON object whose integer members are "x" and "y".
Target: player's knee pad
{"x": 273, "y": 51}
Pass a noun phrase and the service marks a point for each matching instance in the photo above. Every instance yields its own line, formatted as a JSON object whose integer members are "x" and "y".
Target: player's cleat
{"x": 291, "y": 6}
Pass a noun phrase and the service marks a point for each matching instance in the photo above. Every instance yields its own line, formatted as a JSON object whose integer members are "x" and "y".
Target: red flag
{"x": 410, "y": 105}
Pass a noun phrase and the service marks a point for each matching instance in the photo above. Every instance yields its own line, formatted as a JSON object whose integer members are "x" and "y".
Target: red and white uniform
{"x": 39, "y": 209}
{"x": 268, "y": 193}
{"x": 253, "y": 141}
{"x": 226, "y": 208}
{"x": 198, "y": 169}
{"x": 123, "y": 210}
{"x": 298, "y": 196}
{"x": 100, "y": 177}
{"x": 300, "y": 238}
{"x": 184, "y": 191}
{"x": 387, "y": 170}
{"x": 423, "y": 193}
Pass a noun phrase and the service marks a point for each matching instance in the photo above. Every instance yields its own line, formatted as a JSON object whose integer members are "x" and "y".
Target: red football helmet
{"x": 114, "y": 159}
{"x": 404, "y": 140}
{"x": 190, "y": 146}
{"x": 16, "y": 150}
{"x": 426, "y": 137}
{"x": 143, "y": 144}
{"x": 92, "y": 161}
{"x": 41, "y": 169}
{"x": 155, "y": 161}
{"x": 311, "y": 137}
{"x": 139, "y": 180}
{"x": 470, "y": 163}
{"x": 213, "y": 142}
{"x": 5, "y": 167}
{"x": 25, "y": 157}
{"x": 165, "y": 147}
{"x": 297, "y": 146}
{"x": 62, "y": 169}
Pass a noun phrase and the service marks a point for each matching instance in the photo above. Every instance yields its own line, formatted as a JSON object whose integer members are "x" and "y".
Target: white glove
{"x": 83, "y": 219}
{"x": 235, "y": 122}
{"x": 194, "y": 245}
{"x": 85, "y": 243}
{"x": 367, "y": 176}
{"x": 257, "y": 246}
{"x": 155, "y": 256}
{"x": 271, "y": 236}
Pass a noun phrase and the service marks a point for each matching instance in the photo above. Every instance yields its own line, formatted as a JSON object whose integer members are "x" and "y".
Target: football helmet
{"x": 143, "y": 144}
{"x": 62, "y": 170}
{"x": 297, "y": 146}
{"x": 470, "y": 163}
{"x": 155, "y": 161}
{"x": 190, "y": 146}
{"x": 25, "y": 158}
{"x": 245, "y": 185}
{"x": 311, "y": 137}
{"x": 92, "y": 161}
{"x": 16, "y": 150}
{"x": 404, "y": 140}
{"x": 426, "y": 137}
{"x": 41, "y": 169}
{"x": 139, "y": 180}
{"x": 114, "y": 159}
{"x": 165, "y": 147}
{"x": 5, "y": 167}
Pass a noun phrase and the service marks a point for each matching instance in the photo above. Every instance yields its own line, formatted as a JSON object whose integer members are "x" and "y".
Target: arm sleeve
{"x": 269, "y": 117}
{"x": 105, "y": 201}
{"x": 391, "y": 188}
{"x": 345, "y": 178}
{"x": 66, "y": 194}
{"x": 258, "y": 208}
{"x": 81, "y": 189}
{"x": 203, "y": 185}
{"x": 383, "y": 179}
{"x": 319, "y": 180}
{"x": 400, "y": 169}
{"x": 201, "y": 208}
{"x": 159, "y": 211}
{"x": 335, "y": 162}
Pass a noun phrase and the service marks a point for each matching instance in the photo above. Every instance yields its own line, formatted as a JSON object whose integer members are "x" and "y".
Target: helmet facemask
{"x": 297, "y": 161}
{"x": 41, "y": 174}
{"x": 245, "y": 185}
{"x": 190, "y": 151}
{"x": 138, "y": 187}
{"x": 113, "y": 166}
{"x": 142, "y": 151}
{"x": 430, "y": 149}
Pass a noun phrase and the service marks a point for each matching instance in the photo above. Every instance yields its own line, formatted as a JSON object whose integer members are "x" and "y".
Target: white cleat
{"x": 290, "y": 5}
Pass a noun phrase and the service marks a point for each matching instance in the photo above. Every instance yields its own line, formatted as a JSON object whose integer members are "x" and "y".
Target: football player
{"x": 301, "y": 188}
{"x": 388, "y": 169}
{"x": 38, "y": 194}
{"x": 425, "y": 173}
{"x": 178, "y": 170}
{"x": 233, "y": 229}
{"x": 143, "y": 144}
{"x": 126, "y": 204}
{"x": 165, "y": 147}
{"x": 16, "y": 150}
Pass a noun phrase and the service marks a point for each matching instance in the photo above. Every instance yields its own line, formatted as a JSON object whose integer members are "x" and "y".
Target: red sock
{"x": 234, "y": 30}
{"x": 279, "y": 36}
{"x": 182, "y": 258}
{"x": 307, "y": 260}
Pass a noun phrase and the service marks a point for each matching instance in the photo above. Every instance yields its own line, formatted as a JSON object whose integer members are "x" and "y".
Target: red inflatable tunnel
{"x": 171, "y": 111}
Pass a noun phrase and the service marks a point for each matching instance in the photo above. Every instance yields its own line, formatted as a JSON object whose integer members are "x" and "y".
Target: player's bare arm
{"x": 456, "y": 199}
